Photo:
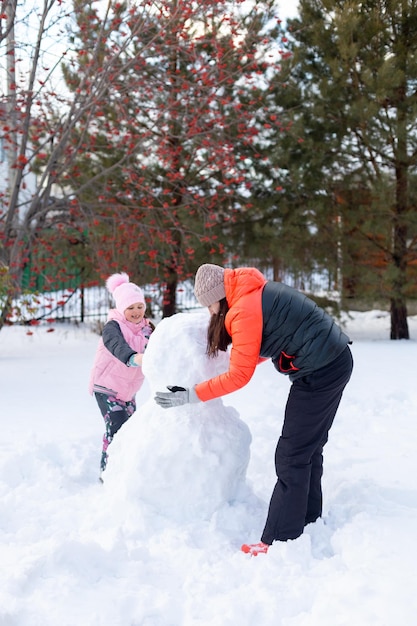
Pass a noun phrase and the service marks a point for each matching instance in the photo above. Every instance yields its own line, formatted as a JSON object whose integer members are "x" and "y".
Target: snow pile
{"x": 188, "y": 461}
{"x": 74, "y": 551}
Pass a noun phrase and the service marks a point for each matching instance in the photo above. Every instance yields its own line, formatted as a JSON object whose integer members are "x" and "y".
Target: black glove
{"x": 176, "y": 396}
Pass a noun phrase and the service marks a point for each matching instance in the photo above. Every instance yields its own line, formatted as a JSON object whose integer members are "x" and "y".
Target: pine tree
{"x": 291, "y": 221}
{"x": 356, "y": 65}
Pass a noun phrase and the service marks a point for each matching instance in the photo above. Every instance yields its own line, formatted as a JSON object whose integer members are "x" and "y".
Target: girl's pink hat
{"x": 124, "y": 293}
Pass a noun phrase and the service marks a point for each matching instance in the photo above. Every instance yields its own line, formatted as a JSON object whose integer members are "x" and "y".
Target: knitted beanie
{"x": 124, "y": 293}
{"x": 209, "y": 284}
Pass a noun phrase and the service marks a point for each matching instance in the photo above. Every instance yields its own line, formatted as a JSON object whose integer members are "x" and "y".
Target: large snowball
{"x": 185, "y": 461}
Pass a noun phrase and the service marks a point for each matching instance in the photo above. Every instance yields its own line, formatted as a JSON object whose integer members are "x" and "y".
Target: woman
{"x": 264, "y": 319}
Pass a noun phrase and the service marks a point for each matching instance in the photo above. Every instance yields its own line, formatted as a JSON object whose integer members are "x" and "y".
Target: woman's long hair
{"x": 217, "y": 336}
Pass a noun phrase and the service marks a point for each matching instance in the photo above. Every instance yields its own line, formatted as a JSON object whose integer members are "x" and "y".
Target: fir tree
{"x": 356, "y": 65}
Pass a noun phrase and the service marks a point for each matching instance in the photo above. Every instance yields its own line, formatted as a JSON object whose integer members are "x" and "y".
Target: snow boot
{"x": 255, "y": 548}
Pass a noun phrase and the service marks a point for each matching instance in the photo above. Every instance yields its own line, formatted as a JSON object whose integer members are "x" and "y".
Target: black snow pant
{"x": 311, "y": 407}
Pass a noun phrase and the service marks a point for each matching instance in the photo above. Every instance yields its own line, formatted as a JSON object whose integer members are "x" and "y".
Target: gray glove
{"x": 176, "y": 397}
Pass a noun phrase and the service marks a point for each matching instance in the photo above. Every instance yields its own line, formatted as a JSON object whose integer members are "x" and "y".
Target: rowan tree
{"x": 38, "y": 116}
{"x": 135, "y": 152}
{"x": 159, "y": 172}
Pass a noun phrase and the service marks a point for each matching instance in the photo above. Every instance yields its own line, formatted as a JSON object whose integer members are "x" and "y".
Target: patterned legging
{"x": 115, "y": 413}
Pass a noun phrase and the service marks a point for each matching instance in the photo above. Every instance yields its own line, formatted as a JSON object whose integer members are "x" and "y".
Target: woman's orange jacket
{"x": 244, "y": 324}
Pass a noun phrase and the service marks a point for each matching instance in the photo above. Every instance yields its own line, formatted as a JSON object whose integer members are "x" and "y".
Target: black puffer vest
{"x": 297, "y": 334}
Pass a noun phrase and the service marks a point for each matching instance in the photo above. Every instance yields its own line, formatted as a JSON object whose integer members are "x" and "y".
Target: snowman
{"x": 188, "y": 462}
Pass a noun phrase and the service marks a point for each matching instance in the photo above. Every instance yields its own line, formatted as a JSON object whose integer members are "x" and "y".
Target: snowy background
{"x": 158, "y": 543}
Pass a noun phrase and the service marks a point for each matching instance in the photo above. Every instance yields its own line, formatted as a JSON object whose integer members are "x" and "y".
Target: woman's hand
{"x": 177, "y": 396}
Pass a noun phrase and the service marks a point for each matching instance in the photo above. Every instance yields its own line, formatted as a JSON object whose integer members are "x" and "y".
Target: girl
{"x": 264, "y": 319}
{"x": 117, "y": 375}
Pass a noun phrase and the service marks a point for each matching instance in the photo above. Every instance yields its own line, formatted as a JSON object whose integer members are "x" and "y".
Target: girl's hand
{"x": 138, "y": 359}
{"x": 135, "y": 360}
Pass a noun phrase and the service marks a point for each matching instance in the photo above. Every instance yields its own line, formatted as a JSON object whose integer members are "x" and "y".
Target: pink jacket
{"x": 109, "y": 374}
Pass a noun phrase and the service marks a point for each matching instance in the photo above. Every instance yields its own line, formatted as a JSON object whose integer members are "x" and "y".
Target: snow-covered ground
{"x": 158, "y": 543}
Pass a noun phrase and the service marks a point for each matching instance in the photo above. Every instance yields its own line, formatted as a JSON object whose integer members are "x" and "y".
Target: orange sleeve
{"x": 244, "y": 325}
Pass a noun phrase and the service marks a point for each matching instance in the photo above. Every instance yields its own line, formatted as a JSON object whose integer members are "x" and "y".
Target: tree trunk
{"x": 276, "y": 264}
{"x": 169, "y": 306}
{"x": 399, "y": 324}
{"x": 7, "y": 305}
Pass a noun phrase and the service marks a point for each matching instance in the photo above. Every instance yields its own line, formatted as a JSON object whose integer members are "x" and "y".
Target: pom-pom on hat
{"x": 124, "y": 293}
{"x": 209, "y": 284}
